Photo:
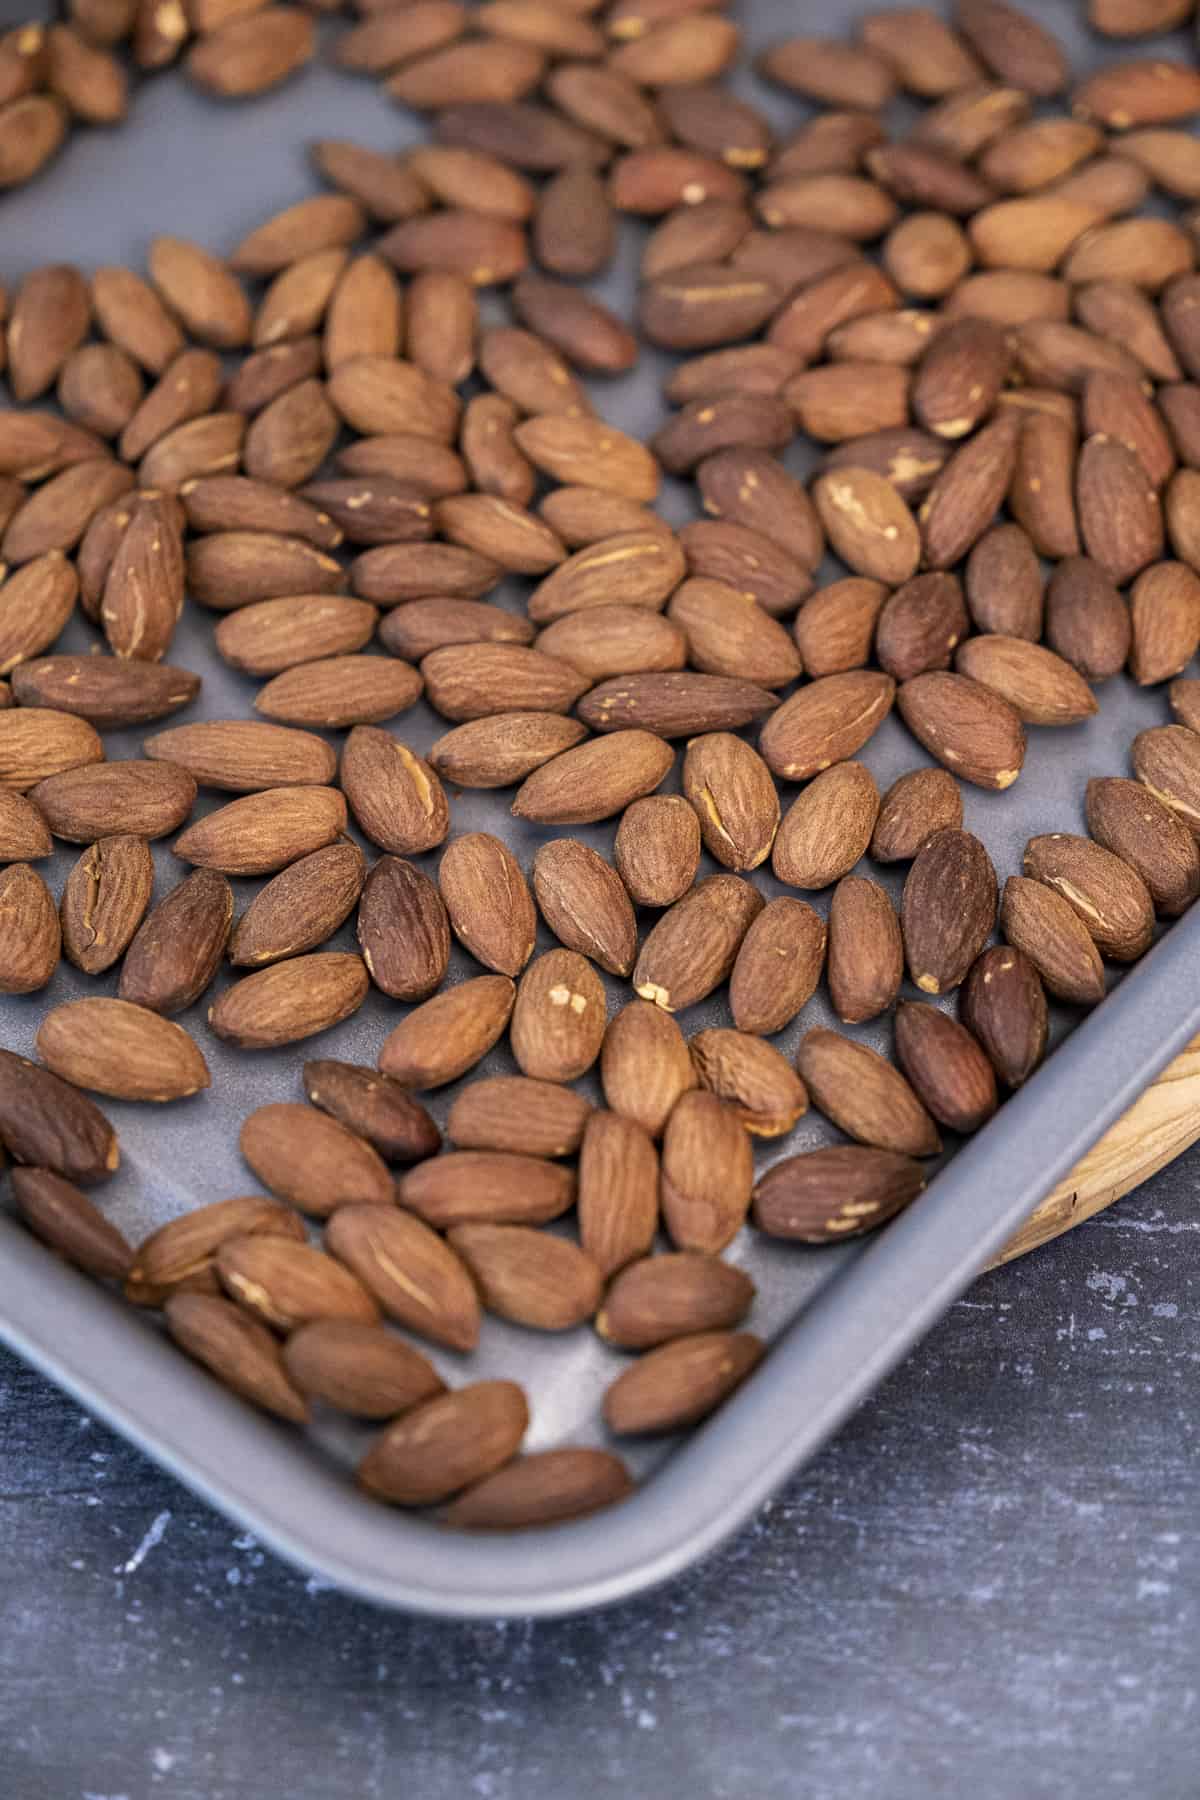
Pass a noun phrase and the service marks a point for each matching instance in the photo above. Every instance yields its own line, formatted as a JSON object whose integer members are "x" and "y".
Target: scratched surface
{"x": 989, "y": 1584}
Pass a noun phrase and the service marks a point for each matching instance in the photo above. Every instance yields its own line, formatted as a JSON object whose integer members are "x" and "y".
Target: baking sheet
{"x": 845, "y": 1314}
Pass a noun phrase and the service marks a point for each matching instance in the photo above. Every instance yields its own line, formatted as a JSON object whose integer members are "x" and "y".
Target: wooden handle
{"x": 1157, "y": 1128}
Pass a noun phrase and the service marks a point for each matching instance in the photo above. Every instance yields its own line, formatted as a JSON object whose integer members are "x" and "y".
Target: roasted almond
{"x": 474, "y": 681}
{"x": 1120, "y": 520}
{"x": 71, "y": 1224}
{"x": 734, "y": 798}
{"x": 446, "y": 1444}
{"x": 729, "y": 634}
{"x": 416, "y": 1278}
{"x": 1042, "y": 495}
{"x": 1041, "y": 688}
{"x": 835, "y": 1192}
{"x": 864, "y": 1095}
{"x": 528, "y": 1276}
{"x": 178, "y": 948}
{"x": 273, "y": 635}
{"x": 946, "y": 1067}
{"x": 122, "y": 1050}
{"x": 290, "y": 1000}
{"x": 868, "y": 524}
{"x": 752, "y": 1078}
{"x": 825, "y": 722}
{"x": 657, "y": 849}
{"x": 104, "y": 900}
{"x": 396, "y": 798}
{"x": 594, "y": 780}
{"x": 1126, "y": 818}
{"x": 967, "y": 727}
{"x": 1004, "y": 1007}
{"x": 777, "y": 966}
{"x": 920, "y": 624}
{"x": 664, "y": 1297}
{"x": 237, "y": 1350}
{"x": 1004, "y": 584}
{"x": 285, "y": 1284}
{"x": 467, "y": 1187}
{"x": 488, "y": 901}
{"x": 634, "y": 568}
{"x": 373, "y": 1108}
{"x": 827, "y": 827}
{"x": 1166, "y": 759}
{"x": 1037, "y": 920}
{"x": 181, "y": 1255}
{"x": 503, "y": 748}
{"x": 358, "y": 1368}
{"x": 264, "y": 831}
{"x": 692, "y": 948}
{"x": 551, "y": 1485}
{"x": 35, "y": 604}
{"x": 48, "y": 1123}
{"x": 644, "y": 1065}
{"x": 144, "y": 799}
{"x": 915, "y": 807}
{"x": 40, "y": 744}
{"x": 866, "y": 952}
{"x": 707, "y": 1173}
{"x": 24, "y": 834}
{"x": 1109, "y": 897}
{"x": 559, "y": 1017}
{"x": 680, "y": 1382}
{"x": 584, "y": 902}
{"x": 33, "y": 939}
{"x": 311, "y": 1160}
{"x": 835, "y": 628}
{"x": 963, "y": 499}
{"x": 441, "y": 1040}
{"x": 674, "y": 705}
{"x": 337, "y": 691}
{"x": 301, "y": 908}
{"x": 1165, "y": 614}
{"x": 519, "y": 1114}
{"x": 1087, "y": 621}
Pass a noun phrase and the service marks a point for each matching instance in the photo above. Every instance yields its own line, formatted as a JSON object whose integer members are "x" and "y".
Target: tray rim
{"x": 856, "y": 1329}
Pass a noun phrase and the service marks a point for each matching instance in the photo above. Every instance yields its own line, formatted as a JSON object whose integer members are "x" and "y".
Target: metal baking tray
{"x": 839, "y": 1317}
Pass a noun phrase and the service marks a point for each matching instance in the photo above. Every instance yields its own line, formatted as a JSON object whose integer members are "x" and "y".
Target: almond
{"x": 1120, "y": 519}
{"x": 835, "y": 1192}
{"x": 104, "y": 900}
{"x": 35, "y": 604}
{"x": 559, "y": 1017}
{"x": 707, "y": 1173}
{"x": 290, "y": 1000}
{"x": 265, "y": 831}
{"x": 1038, "y": 921}
{"x": 1166, "y": 759}
{"x": 244, "y": 755}
{"x": 963, "y": 500}
{"x": 1109, "y": 897}
{"x": 301, "y": 908}
{"x": 864, "y": 1095}
{"x": 1004, "y": 584}
{"x": 752, "y": 1078}
{"x": 553, "y": 1484}
{"x": 503, "y": 748}
{"x": 644, "y": 1065}
{"x": 33, "y": 939}
{"x": 24, "y": 834}
{"x": 466, "y": 1187}
{"x": 1165, "y": 614}
{"x": 373, "y": 1108}
{"x": 181, "y": 1255}
{"x": 584, "y": 902}
{"x": 594, "y": 780}
{"x": 237, "y": 1350}
{"x": 680, "y": 1382}
{"x": 827, "y": 827}
{"x": 915, "y": 807}
{"x": 359, "y": 1368}
{"x": 967, "y": 727}
{"x": 119, "y": 1049}
{"x": 1087, "y": 621}
{"x": 664, "y": 1297}
{"x": 866, "y": 954}
{"x": 1041, "y": 688}
{"x": 1126, "y": 818}
{"x": 304, "y": 1156}
{"x": 691, "y": 949}
{"x": 528, "y": 1276}
{"x": 825, "y": 722}
{"x": 674, "y": 705}
{"x": 49, "y": 1124}
{"x": 71, "y": 1224}
{"x": 446, "y": 1444}
{"x": 1004, "y": 1006}
{"x": 734, "y": 798}
{"x": 777, "y": 967}
{"x": 286, "y": 1284}
{"x": 516, "y": 1113}
{"x": 440, "y": 1040}
{"x": 415, "y": 1277}
{"x": 920, "y": 624}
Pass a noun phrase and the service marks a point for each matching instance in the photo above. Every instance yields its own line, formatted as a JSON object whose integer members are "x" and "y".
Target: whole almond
{"x": 1004, "y": 1007}
{"x": 396, "y": 798}
{"x": 177, "y": 949}
{"x": 416, "y": 1278}
{"x": 915, "y": 807}
{"x": 56, "y": 515}
{"x": 244, "y": 755}
{"x": 751, "y": 563}
{"x": 180, "y": 1256}
{"x": 286, "y": 1284}
{"x": 826, "y": 722}
{"x": 237, "y": 1350}
{"x": 866, "y": 952}
{"x": 50, "y": 317}
{"x": 296, "y": 301}
{"x": 618, "y": 1191}
{"x": 947, "y": 910}
{"x": 420, "y": 626}
{"x": 379, "y": 394}
{"x": 144, "y": 799}
{"x": 1004, "y": 584}
{"x": 680, "y": 1382}
{"x": 751, "y": 1077}
{"x": 143, "y": 595}
{"x": 920, "y": 624}
{"x": 1032, "y": 233}
{"x": 1165, "y": 613}
{"x": 358, "y": 1368}
{"x": 723, "y": 421}
{"x": 1041, "y": 688}
{"x": 836, "y": 1192}
{"x": 338, "y": 691}
{"x": 506, "y": 534}
{"x": 228, "y": 569}
{"x": 615, "y": 640}
{"x": 365, "y": 314}
{"x": 584, "y": 451}
{"x": 264, "y": 831}
{"x": 644, "y": 1065}
{"x": 71, "y": 1224}
{"x": 24, "y": 834}
{"x": 707, "y": 1173}
{"x": 468, "y": 1187}
{"x": 634, "y": 568}
{"x": 755, "y": 490}
{"x": 32, "y": 129}
{"x": 584, "y": 902}
{"x": 1046, "y": 927}
{"x": 674, "y": 705}
{"x": 726, "y": 635}
{"x": 35, "y": 604}
{"x": 559, "y": 1017}
{"x": 595, "y": 779}
{"x": 530, "y": 372}
{"x": 1042, "y": 495}
{"x": 323, "y": 222}
{"x": 1120, "y": 520}
{"x": 1126, "y": 818}
{"x": 488, "y": 901}
{"x": 552, "y": 1484}
{"x": 664, "y": 1297}
{"x": 691, "y": 949}
{"x": 442, "y": 1039}
{"x": 446, "y": 1444}
{"x": 290, "y": 1000}
{"x": 1139, "y": 91}
{"x": 308, "y": 1158}
{"x": 1166, "y": 759}
{"x": 100, "y": 387}
{"x": 473, "y": 681}
{"x": 946, "y": 1067}
{"x": 908, "y": 458}
{"x": 864, "y": 1095}
{"x": 1180, "y": 504}
{"x": 301, "y": 908}
{"x": 962, "y": 501}
{"x": 122, "y": 1050}
{"x": 777, "y": 966}
{"x": 33, "y": 939}
{"x": 516, "y": 1113}
{"x": 528, "y": 1276}
{"x": 960, "y": 376}
{"x": 199, "y": 288}
{"x": 827, "y": 827}
{"x": 48, "y": 1123}
{"x": 503, "y": 748}
{"x": 657, "y": 849}
{"x": 1109, "y": 897}
{"x": 373, "y": 1108}
{"x": 1115, "y": 405}
{"x": 1087, "y": 621}
{"x": 273, "y": 635}
{"x": 36, "y": 745}
{"x": 734, "y": 798}
{"x": 967, "y": 727}
{"x": 104, "y": 900}
{"x": 189, "y": 387}
{"x": 845, "y": 400}
{"x": 403, "y": 930}
{"x": 254, "y": 53}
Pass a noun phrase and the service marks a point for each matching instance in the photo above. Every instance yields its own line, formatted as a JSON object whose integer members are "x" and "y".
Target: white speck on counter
{"x": 155, "y": 1534}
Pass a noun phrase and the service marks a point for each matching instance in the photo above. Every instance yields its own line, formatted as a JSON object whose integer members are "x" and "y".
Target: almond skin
{"x": 595, "y": 779}
{"x": 529, "y": 1277}
{"x": 414, "y": 1276}
{"x": 1004, "y": 1007}
{"x": 144, "y": 799}
{"x": 827, "y": 827}
{"x": 473, "y": 681}
{"x": 1109, "y": 897}
{"x": 707, "y": 1173}
{"x": 440, "y": 1040}
{"x": 868, "y": 525}
{"x": 584, "y": 902}
{"x": 644, "y": 1065}
{"x": 38, "y": 744}
{"x": 664, "y": 1297}
{"x": 306, "y": 1157}
{"x": 122, "y": 1050}
{"x": 947, "y": 910}
{"x": 1165, "y": 612}
{"x": 104, "y": 900}
{"x": 915, "y": 807}
{"x": 946, "y": 1067}
{"x": 358, "y": 1368}
{"x": 836, "y": 1192}
{"x": 301, "y": 908}
{"x": 680, "y": 1382}
{"x": 1120, "y": 519}
{"x": 559, "y": 1018}
{"x": 503, "y": 748}
{"x": 691, "y": 949}
{"x": 403, "y": 930}
{"x": 865, "y": 1095}
{"x": 866, "y": 952}
{"x": 467, "y": 1187}
{"x": 1126, "y": 818}
{"x": 1046, "y": 927}
{"x": 777, "y": 967}
{"x": 177, "y": 950}
{"x": 967, "y": 727}
{"x": 1166, "y": 759}
{"x": 490, "y": 907}
{"x": 290, "y": 1000}
{"x": 49, "y": 1124}
{"x": 33, "y": 937}
{"x": 446, "y": 1444}
{"x": 396, "y": 798}
{"x": 244, "y": 756}
{"x": 674, "y": 705}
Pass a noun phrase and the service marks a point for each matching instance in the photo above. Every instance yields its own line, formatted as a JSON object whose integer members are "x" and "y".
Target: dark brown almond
{"x": 920, "y": 624}
{"x": 915, "y": 807}
{"x": 753, "y": 1078}
{"x": 680, "y": 1382}
{"x": 1004, "y": 584}
{"x": 1166, "y": 759}
{"x": 238, "y": 1350}
{"x": 123, "y": 1050}
{"x": 145, "y": 799}
{"x": 963, "y": 500}
{"x": 836, "y": 1192}
{"x": 502, "y": 749}
{"x": 734, "y": 798}
{"x": 664, "y": 1297}
{"x": 967, "y": 727}
{"x": 946, "y": 1067}
{"x": 32, "y": 940}
{"x": 835, "y": 627}
{"x": 947, "y": 910}
{"x": 1165, "y": 615}
{"x": 1014, "y": 45}
{"x": 868, "y": 524}
{"x": 104, "y": 900}
{"x": 674, "y": 705}
{"x": 358, "y": 1368}
{"x": 644, "y": 1065}
{"x": 178, "y": 948}
{"x": 723, "y": 421}
{"x": 825, "y": 722}
{"x": 827, "y": 827}
{"x": 692, "y": 948}
{"x": 489, "y": 448}
{"x": 865, "y": 1095}
{"x": 1004, "y": 1006}
{"x": 289, "y": 1001}
{"x": 301, "y": 908}
{"x": 485, "y": 1187}
{"x": 922, "y": 176}
{"x": 337, "y": 691}
{"x": 707, "y": 1172}
{"x": 143, "y": 592}
{"x": 960, "y": 376}
{"x": 48, "y": 1123}
{"x": 416, "y": 1278}
{"x": 1087, "y": 621}
{"x": 396, "y": 798}
{"x": 518, "y": 1114}
{"x": 574, "y": 230}
{"x": 373, "y": 509}
{"x": 373, "y": 1108}
{"x": 1037, "y": 920}
{"x": 487, "y": 899}
{"x": 403, "y": 930}
{"x": 1109, "y": 897}
{"x": 754, "y": 490}
{"x": 105, "y": 690}
{"x": 1042, "y": 495}
{"x": 777, "y": 966}
{"x": 446, "y": 1444}
{"x": 518, "y": 132}
{"x": 866, "y": 953}
{"x": 56, "y": 515}
{"x": 303, "y": 1156}
{"x": 442, "y": 1039}
{"x": 421, "y": 626}
{"x": 1120, "y": 520}
{"x": 1126, "y": 818}
{"x": 71, "y": 1224}
{"x": 558, "y": 1020}
{"x": 657, "y": 849}
{"x": 584, "y": 902}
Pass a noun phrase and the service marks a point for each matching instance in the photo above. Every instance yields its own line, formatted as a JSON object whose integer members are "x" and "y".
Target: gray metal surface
{"x": 187, "y": 165}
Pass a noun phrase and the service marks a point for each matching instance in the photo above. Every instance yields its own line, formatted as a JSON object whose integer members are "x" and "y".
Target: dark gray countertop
{"x": 989, "y": 1585}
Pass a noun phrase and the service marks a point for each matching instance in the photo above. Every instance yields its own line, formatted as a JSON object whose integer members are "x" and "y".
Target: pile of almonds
{"x": 332, "y": 447}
